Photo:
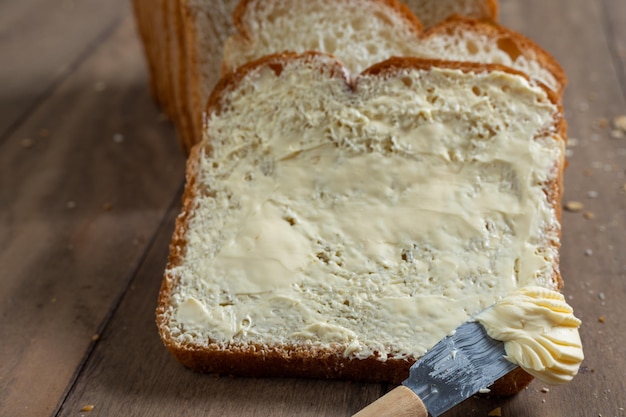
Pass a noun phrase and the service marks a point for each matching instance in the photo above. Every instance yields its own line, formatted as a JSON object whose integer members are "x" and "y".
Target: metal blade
{"x": 458, "y": 367}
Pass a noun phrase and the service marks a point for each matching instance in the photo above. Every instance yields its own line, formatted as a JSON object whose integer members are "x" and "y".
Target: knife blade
{"x": 457, "y": 367}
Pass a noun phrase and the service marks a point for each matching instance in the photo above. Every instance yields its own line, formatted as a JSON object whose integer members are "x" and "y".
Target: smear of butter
{"x": 539, "y": 331}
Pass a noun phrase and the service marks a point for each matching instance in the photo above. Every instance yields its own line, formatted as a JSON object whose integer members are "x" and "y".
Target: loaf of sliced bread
{"x": 184, "y": 42}
{"x": 338, "y": 226}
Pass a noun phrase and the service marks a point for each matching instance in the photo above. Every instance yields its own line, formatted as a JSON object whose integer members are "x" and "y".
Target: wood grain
{"x": 41, "y": 43}
{"x": 87, "y": 206}
{"x": 78, "y": 205}
{"x": 399, "y": 402}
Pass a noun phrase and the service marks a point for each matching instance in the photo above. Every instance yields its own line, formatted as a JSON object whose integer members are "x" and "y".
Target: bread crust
{"x": 297, "y": 361}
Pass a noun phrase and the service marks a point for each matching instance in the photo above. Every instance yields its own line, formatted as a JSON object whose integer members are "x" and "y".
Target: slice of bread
{"x": 337, "y": 227}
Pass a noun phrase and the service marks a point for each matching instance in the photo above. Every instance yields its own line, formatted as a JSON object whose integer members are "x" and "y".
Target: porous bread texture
{"x": 361, "y": 33}
{"x": 433, "y": 12}
{"x": 336, "y": 315}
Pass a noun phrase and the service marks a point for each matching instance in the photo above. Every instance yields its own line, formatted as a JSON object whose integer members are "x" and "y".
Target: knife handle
{"x": 399, "y": 402}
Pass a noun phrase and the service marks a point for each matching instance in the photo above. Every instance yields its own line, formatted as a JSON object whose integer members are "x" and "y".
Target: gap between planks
{"x": 173, "y": 205}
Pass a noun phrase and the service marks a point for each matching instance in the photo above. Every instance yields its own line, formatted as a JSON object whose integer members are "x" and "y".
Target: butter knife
{"x": 456, "y": 368}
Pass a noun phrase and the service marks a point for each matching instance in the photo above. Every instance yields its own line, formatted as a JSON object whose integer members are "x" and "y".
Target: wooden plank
{"x": 41, "y": 42}
{"x": 131, "y": 373}
{"x": 79, "y": 202}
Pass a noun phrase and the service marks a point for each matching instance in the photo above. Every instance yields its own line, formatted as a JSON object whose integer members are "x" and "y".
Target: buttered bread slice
{"x": 339, "y": 227}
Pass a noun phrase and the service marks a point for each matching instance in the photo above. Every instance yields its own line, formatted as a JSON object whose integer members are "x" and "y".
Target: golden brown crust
{"x": 150, "y": 20}
{"x": 298, "y": 361}
{"x": 182, "y": 78}
{"x": 192, "y": 66}
{"x": 141, "y": 16}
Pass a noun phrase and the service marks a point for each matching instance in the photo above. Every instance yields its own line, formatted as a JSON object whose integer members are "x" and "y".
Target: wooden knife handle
{"x": 399, "y": 402}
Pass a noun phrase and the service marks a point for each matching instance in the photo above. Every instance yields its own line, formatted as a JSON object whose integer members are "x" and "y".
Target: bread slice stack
{"x": 185, "y": 41}
{"x": 357, "y": 186}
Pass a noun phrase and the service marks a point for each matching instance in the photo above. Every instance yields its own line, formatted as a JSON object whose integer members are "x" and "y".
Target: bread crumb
{"x": 572, "y": 142}
{"x": 592, "y": 194}
{"x": 574, "y": 206}
{"x": 602, "y": 319}
{"x": 589, "y": 215}
{"x": 545, "y": 389}
{"x": 602, "y": 123}
{"x": 95, "y": 337}
{"x": 588, "y": 252}
{"x": 70, "y": 204}
{"x": 88, "y": 407}
{"x": 620, "y": 122}
{"x": 27, "y": 143}
{"x": 617, "y": 134}
{"x": 601, "y": 296}
{"x": 107, "y": 206}
{"x": 118, "y": 138}
{"x": 496, "y": 412}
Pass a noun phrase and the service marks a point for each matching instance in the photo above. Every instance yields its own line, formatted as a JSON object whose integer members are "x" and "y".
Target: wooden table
{"x": 90, "y": 183}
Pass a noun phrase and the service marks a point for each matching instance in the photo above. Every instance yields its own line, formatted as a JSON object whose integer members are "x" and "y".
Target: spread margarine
{"x": 539, "y": 331}
{"x": 374, "y": 221}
